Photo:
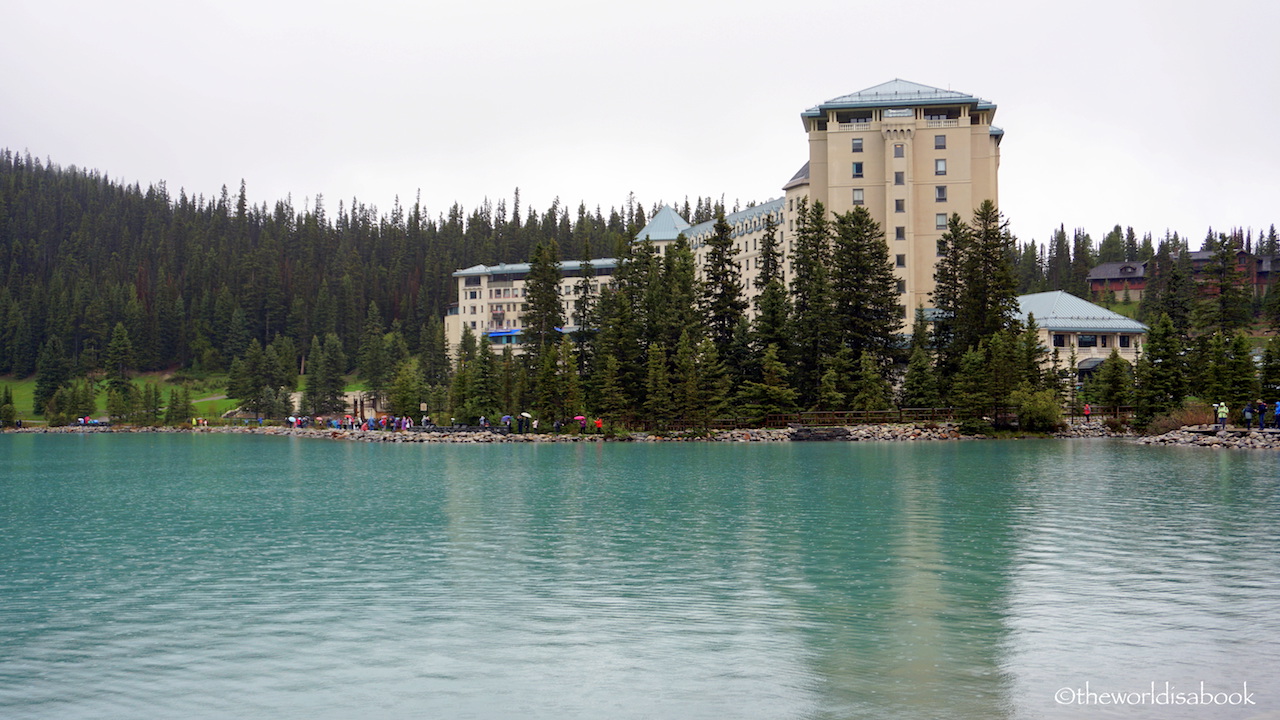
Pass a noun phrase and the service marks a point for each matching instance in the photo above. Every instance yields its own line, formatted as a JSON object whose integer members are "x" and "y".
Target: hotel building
{"x": 911, "y": 154}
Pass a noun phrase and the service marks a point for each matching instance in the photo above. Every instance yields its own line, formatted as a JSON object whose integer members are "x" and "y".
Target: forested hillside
{"x": 194, "y": 279}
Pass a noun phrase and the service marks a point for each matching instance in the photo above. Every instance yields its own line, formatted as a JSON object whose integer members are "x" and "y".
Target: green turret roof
{"x": 898, "y": 93}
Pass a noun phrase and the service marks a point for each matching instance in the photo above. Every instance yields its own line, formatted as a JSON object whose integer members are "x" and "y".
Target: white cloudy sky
{"x": 1159, "y": 115}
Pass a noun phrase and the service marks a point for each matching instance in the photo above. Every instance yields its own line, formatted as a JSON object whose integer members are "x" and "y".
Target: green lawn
{"x": 23, "y": 392}
{"x": 211, "y": 387}
{"x": 1129, "y": 309}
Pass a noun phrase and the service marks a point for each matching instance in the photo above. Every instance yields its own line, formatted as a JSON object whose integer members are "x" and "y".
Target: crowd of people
{"x": 1250, "y": 413}
{"x": 523, "y": 423}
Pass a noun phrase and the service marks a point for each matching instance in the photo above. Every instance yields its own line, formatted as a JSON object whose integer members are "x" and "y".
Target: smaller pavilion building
{"x": 1067, "y": 322}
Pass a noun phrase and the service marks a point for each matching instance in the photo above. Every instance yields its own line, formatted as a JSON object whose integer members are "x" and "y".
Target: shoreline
{"x": 1191, "y": 436}
{"x": 886, "y": 432}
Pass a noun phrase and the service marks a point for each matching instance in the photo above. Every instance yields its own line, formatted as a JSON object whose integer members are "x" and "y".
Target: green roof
{"x": 1065, "y": 312}
{"x": 523, "y": 268}
{"x": 898, "y": 93}
{"x": 665, "y": 225}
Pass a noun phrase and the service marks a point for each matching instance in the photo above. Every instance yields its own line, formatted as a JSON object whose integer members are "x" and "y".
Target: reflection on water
{"x": 222, "y": 576}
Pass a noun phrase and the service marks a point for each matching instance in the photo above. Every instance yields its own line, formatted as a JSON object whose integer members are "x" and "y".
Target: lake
{"x": 221, "y": 576}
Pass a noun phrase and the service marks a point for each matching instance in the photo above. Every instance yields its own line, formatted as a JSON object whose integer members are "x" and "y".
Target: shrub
{"x": 1037, "y": 411}
{"x": 1192, "y": 413}
{"x": 1115, "y": 425}
{"x": 976, "y": 426}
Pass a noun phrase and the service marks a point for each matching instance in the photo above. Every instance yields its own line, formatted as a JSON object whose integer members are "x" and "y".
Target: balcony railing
{"x": 943, "y": 123}
{"x": 855, "y": 125}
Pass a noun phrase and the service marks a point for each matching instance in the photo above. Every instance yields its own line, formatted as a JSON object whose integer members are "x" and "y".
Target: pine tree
{"x": 434, "y": 360}
{"x": 1241, "y": 372}
{"x": 373, "y": 362}
{"x": 1005, "y": 369}
{"x": 570, "y": 379}
{"x": 715, "y": 383}
{"x": 8, "y": 413}
{"x": 920, "y": 384}
{"x": 678, "y": 294}
{"x": 122, "y": 402}
{"x": 872, "y": 390}
{"x": 611, "y": 401}
{"x": 336, "y": 361}
{"x": 1160, "y": 374}
{"x": 119, "y": 358}
{"x": 657, "y": 401}
{"x": 975, "y": 285}
{"x": 584, "y": 308}
{"x": 1114, "y": 381}
{"x": 685, "y": 389}
{"x": 316, "y": 380}
{"x": 542, "y": 295}
{"x": 1032, "y": 357}
{"x": 772, "y": 304}
{"x": 1112, "y": 248}
{"x": 179, "y": 410}
{"x": 813, "y": 327}
{"x": 1225, "y": 307}
{"x": 405, "y": 394}
{"x": 1269, "y": 373}
{"x": 772, "y": 394}
{"x": 864, "y": 289}
{"x": 970, "y": 396}
{"x": 53, "y": 370}
{"x": 723, "y": 305}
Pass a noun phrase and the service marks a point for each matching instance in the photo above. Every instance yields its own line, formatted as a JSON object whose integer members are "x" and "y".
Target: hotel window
{"x": 857, "y": 169}
{"x": 939, "y": 142}
{"x": 899, "y": 178}
{"x": 899, "y": 205}
{"x": 1059, "y": 340}
{"x": 940, "y": 193}
{"x": 902, "y": 287}
{"x": 1124, "y": 341}
{"x": 940, "y": 166}
{"x": 900, "y": 233}
{"x": 940, "y": 221}
{"x": 899, "y": 150}
{"x": 858, "y": 196}
{"x": 1102, "y": 340}
{"x": 1085, "y": 341}
{"x": 940, "y": 248}
{"x": 857, "y": 144}
{"x": 900, "y": 260}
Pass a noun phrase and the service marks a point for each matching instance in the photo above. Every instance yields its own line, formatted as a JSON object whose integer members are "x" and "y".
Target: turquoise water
{"x": 222, "y": 576}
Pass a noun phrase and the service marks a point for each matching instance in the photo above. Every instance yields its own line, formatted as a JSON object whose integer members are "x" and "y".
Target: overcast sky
{"x": 1158, "y": 115}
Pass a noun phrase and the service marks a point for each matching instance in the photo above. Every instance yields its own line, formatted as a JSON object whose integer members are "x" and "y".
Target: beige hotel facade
{"x": 911, "y": 154}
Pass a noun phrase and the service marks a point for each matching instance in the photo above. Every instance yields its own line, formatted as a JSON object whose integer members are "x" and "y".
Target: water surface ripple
{"x": 220, "y": 577}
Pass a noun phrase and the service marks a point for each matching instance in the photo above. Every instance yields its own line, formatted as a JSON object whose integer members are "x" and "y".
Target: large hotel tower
{"x": 909, "y": 153}
{"x": 912, "y": 155}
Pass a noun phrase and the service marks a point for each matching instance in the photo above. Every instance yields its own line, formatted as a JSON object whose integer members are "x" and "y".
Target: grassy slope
{"x": 24, "y": 391}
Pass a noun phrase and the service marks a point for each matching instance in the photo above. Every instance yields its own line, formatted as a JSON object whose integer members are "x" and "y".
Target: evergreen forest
{"x": 101, "y": 280}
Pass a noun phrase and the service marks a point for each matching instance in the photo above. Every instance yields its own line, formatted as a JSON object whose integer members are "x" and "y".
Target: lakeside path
{"x": 1231, "y": 439}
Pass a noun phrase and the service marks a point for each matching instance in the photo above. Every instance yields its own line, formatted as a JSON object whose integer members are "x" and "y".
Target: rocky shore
{"x": 1208, "y": 437}
{"x": 904, "y": 432}
{"x": 896, "y": 432}
{"x": 1196, "y": 436}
